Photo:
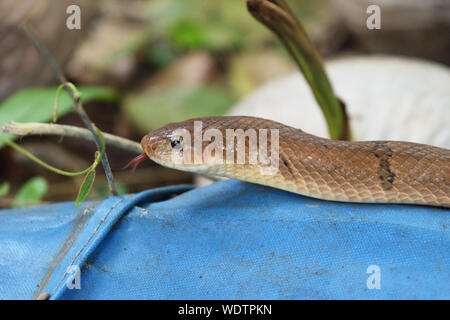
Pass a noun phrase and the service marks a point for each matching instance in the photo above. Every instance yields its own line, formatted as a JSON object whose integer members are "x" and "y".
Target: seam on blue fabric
{"x": 116, "y": 209}
{"x": 87, "y": 242}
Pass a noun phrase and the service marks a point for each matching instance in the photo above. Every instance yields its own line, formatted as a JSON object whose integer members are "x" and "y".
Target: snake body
{"x": 360, "y": 171}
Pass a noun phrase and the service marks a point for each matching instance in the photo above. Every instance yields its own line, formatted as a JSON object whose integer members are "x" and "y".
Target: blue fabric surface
{"x": 229, "y": 240}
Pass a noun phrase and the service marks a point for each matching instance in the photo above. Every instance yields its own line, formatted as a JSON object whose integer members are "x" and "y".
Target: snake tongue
{"x": 136, "y": 161}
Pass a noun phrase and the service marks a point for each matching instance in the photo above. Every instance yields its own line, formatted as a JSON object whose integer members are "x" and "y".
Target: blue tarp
{"x": 229, "y": 240}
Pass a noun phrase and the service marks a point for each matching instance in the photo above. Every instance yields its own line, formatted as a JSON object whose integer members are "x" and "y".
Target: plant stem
{"x": 54, "y": 169}
{"x": 35, "y": 128}
{"x": 279, "y": 18}
{"x": 75, "y": 95}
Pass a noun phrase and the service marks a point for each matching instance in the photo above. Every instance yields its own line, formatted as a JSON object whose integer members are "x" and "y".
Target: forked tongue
{"x": 136, "y": 161}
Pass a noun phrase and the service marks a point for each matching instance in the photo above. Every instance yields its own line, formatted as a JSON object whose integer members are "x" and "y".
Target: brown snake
{"x": 360, "y": 171}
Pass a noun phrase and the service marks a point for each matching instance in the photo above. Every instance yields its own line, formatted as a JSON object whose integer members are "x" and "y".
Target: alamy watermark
{"x": 74, "y": 279}
{"x": 231, "y": 150}
{"x": 374, "y": 19}
{"x": 73, "y": 21}
{"x": 374, "y": 280}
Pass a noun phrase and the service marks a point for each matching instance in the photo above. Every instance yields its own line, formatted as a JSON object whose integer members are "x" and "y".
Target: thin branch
{"x": 77, "y": 103}
{"x": 35, "y": 128}
{"x": 45, "y": 54}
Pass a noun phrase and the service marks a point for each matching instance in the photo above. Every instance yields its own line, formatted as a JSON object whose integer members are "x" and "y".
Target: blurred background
{"x": 144, "y": 64}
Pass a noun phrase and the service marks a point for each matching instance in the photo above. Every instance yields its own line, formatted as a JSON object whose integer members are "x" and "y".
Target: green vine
{"x": 88, "y": 172}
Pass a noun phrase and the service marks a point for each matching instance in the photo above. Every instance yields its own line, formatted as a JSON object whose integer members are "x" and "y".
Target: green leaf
{"x": 211, "y": 25}
{"x": 31, "y": 192}
{"x": 85, "y": 187}
{"x": 36, "y": 104}
{"x": 155, "y": 108}
{"x": 188, "y": 34}
{"x": 4, "y": 188}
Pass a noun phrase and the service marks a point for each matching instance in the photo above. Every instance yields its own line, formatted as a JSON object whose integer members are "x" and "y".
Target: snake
{"x": 347, "y": 171}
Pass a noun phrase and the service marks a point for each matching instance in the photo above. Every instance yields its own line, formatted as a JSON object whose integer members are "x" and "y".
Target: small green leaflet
{"x": 85, "y": 187}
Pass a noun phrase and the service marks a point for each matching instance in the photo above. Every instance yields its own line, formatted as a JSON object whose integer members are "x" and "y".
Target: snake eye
{"x": 175, "y": 143}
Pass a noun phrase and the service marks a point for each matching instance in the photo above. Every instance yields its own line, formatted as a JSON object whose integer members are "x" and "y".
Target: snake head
{"x": 163, "y": 146}
{"x": 172, "y": 145}
{"x": 208, "y": 144}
